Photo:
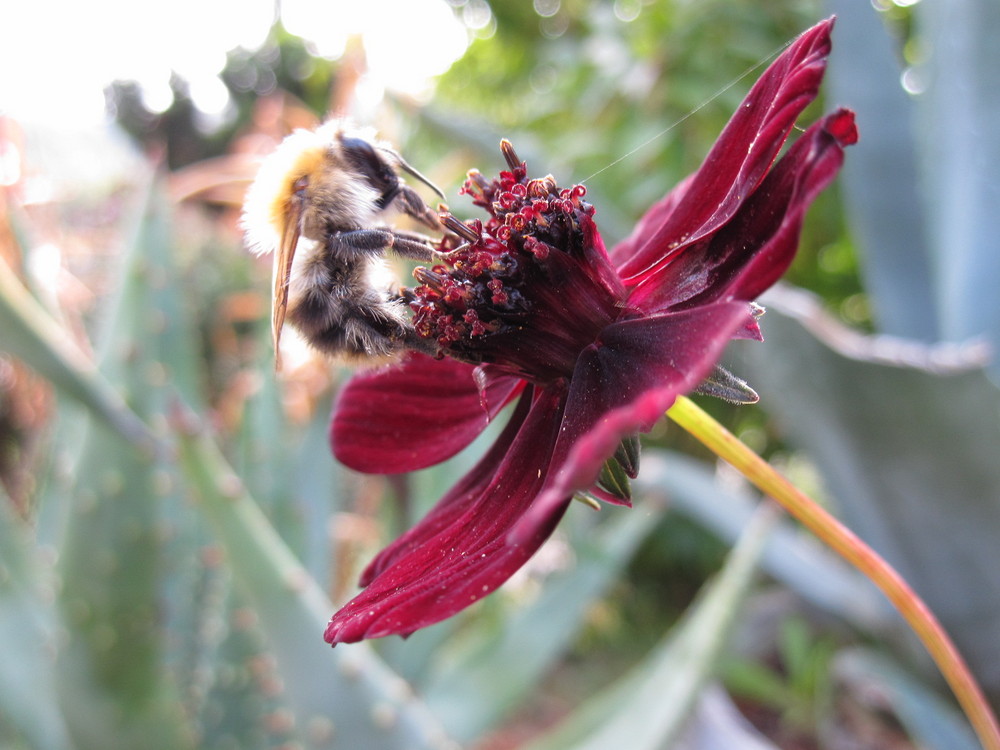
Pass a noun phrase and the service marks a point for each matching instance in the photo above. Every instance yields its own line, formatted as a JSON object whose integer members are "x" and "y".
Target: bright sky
{"x": 58, "y": 55}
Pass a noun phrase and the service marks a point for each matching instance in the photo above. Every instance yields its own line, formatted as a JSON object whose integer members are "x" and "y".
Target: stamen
{"x": 499, "y": 297}
{"x": 428, "y": 277}
{"x": 542, "y": 187}
{"x": 459, "y": 228}
{"x": 509, "y": 154}
{"x": 476, "y": 177}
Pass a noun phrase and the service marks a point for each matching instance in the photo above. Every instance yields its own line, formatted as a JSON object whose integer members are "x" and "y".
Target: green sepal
{"x": 627, "y": 455}
{"x": 614, "y": 480}
{"x": 723, "y": 384}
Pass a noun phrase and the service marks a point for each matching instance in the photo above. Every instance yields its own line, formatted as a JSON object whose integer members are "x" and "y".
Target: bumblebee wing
{"x": 283, "y": 257}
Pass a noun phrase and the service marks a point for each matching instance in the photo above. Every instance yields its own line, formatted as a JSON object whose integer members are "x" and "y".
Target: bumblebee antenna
{"x": 413, "y": 172}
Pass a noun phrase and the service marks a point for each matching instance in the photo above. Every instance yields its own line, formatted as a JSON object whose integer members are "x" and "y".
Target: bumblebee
{"x": 321, "y": 203}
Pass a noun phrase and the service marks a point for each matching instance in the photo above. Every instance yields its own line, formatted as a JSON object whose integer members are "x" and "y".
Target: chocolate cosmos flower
{"x": 592, "y": 345}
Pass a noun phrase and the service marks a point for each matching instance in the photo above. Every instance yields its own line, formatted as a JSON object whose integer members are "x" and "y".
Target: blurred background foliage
{"x": 175, "y": 533}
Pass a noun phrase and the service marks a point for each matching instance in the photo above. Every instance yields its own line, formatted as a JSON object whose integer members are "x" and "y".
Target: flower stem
{"x": 842, "y": 540}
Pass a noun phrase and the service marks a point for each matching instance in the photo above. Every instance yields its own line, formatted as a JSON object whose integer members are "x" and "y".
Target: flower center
{"x": 530, "y": 288}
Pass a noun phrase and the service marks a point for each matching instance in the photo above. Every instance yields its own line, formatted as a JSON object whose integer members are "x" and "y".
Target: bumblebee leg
{"x": 413, "y": 205}
{"x": 360, "y": 243}
{"x": 372, "y": 242}
{"x": 405, "y": 294}
{"x": 410, "y": 338}
{"x": 420, "y": 344}
{"x": 416, "y": 246}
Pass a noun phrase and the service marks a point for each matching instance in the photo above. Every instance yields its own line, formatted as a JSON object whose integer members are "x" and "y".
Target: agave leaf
{"x": 473, "y": 687}
{"x": 649, "y": 707}
{"x": 33, "y": 336}
{"x": 928, "y": 719}
{"x": 113, "y": 688}
{"x": 958, "y": 113}
{"x": 793, "y": 557}
{"x": 319, "y": 484}
{"x": 117, "y": 692}
{"x": 264, "y": 458}
{"x": 921, "y": 194}
{"x": 880, "y": 176}
{"x": 27, "y": 619}
{"x": 345, "y": 697}
{"x": 910, "y": 458}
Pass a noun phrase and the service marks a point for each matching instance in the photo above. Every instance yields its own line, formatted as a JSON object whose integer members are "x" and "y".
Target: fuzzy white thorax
{"x": 305, "y": 152}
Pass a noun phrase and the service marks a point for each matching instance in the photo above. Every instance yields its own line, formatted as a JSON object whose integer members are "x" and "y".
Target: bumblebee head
{"x": 322, "y": 181}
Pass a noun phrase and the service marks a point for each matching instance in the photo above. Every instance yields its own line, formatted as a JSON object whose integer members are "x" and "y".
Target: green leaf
{"x": 880, "y": 173}
{"x": 909, "y": 456}
{"x": 649, "y": 707}
{"x": 28, "y": 625}
{"x": 932, "y": 722}
{"x": 33, "y": 336}
{"x": 958, "y": 115}
{"x": 614, "y": 480}
{"x": 494, "y": 671}
{"x": 792, "y": 556}
{"x": 340, "y": 698}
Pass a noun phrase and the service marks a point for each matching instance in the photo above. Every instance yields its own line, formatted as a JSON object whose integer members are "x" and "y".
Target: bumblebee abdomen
{"x": 339, "y": 311}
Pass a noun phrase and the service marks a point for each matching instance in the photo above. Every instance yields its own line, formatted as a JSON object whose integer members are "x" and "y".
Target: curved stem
{"x": 843, "y": 541}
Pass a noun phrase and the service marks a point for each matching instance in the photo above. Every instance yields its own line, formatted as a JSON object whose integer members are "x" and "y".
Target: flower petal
{"x": 414, "y": 414}
{"x": 737, "y": 162}
{"x": 655, "y": 217}
{"x": 624, "y": 384}
{"x": 454, "y": 503}
{"x": 757, "y": 245}
{"x": 461, "y": 552}
{"x": 808, "y": 167}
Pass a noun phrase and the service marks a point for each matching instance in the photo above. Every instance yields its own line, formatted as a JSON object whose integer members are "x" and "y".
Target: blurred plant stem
{"x": 843, "y": 541}
{"x": 34, "y": 336}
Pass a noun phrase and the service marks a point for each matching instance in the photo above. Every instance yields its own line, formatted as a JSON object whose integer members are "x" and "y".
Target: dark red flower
{"x": 593, "y": 346}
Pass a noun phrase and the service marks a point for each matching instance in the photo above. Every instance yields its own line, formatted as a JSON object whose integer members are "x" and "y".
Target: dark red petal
{"x": 454, "y": 503}
{"x": 413, "y": 415}
{"x": 737, "y": 162}
{"x": 624, "y": 384}
{"x": 655, "y": 217}
{"x": 461, "y": 551}
{"x": 808, "y": 167}
{"x": 751, "y": 330}
{"x": 753, "y": 250}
